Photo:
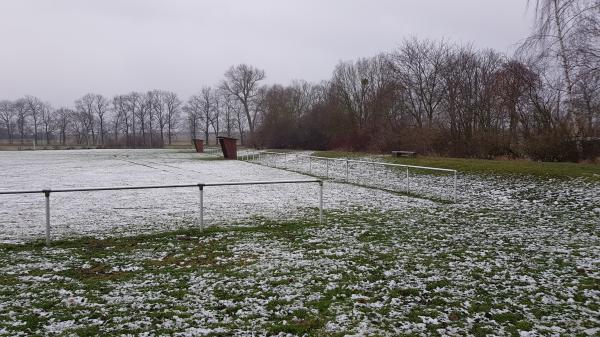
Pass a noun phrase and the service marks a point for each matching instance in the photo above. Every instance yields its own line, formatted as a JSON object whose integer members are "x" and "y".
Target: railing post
{"x": 320, "y": 202}
{"x": 47, "y": 196}
{"x": 407, "y": 181}
{"x": 455, "y": 186}
{"x": 201, "y": 187}
{"x": 327, "y": 169}
{"x": 309, "y": 165}
{"x": 347, "y": 168}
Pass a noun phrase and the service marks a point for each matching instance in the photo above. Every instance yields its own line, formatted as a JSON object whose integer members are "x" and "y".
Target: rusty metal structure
{"x": 199, "y": 145}
{"x": 229, "y": 147}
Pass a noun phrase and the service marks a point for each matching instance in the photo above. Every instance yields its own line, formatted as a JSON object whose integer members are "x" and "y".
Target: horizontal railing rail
{"x": 47, "y": 192}
{"x": 429, "y": 168}
{"x": 264, "y": 182}
{"x": 215, "y": 151}
{"x": 91, "y": 189}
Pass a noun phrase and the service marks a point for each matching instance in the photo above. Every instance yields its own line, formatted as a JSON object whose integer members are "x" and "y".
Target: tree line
{"x": 137, "y": 119}
{"x": 433, "y": 97}
{"x": 440, "y": 98}
{"x": 437, "y": 97}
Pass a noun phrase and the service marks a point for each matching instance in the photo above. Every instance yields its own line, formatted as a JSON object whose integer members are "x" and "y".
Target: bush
{"x": 556, "y": 145}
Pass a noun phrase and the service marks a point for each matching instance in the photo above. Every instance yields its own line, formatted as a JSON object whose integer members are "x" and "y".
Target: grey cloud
{"x": 59, "y": 50}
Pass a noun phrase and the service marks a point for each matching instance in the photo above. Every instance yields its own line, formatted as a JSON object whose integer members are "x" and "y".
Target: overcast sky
{"x": 60, "y": 50}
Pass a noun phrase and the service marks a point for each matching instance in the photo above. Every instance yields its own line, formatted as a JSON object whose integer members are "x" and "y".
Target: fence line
{"x": 200, "y": 186}
{"x": 214, "y": 151}
{"x": 247, "y": 156}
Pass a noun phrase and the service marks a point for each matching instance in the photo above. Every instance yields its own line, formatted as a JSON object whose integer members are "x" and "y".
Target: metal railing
{"x": 214, "y": 151}
{"x": 273, "y": 163}
{"x": 200, "y": 186}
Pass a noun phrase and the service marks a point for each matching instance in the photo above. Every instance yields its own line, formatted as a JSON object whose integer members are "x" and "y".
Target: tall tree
{"x": 101, "y": 108}
{"x": 86, "y": 116}
{"x": 193, "y": 109}
{"x": 242, "y": 81}
{"x": 133, "y": 103}
{"x": 207, "y": 107}
{"x": 20, "y": 106}
{"x": 8, "y": 116}
{"x": 34, "y": 109}
{"x": 63, "y": 122}
{"x": 227, "y": 107}
{"x": 173, "y": 107}
{"x": 47, "y": 117}
{"x": 120, "y": 119}
{"x": 560, "y": 30}
{"x": 417, "y": 68}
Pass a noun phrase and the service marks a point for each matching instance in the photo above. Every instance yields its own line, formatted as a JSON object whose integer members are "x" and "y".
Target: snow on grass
{"x": 140, "y": 211}
{"x": 516, "y": 256}
{"x": 424, "y": 183}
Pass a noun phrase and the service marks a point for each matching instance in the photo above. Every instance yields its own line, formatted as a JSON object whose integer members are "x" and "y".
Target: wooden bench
{"x": 404, "y": 153}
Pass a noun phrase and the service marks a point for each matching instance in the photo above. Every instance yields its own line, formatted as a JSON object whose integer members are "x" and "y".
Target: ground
{"x": 516, "y": 255}
{"x": 135, "y": 212}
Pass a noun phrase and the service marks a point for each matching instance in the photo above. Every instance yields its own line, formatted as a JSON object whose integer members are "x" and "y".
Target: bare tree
{"x": 242, "y": 81}
{"x": 64, "y": 118}
{"x": 207, "y": 107}
{"x": 216, "y": 114}
{"x": 34, "y": 109}
{"x": 151, "y": 106}
{"x": 101, "y": 108}
{"x": 560, "y": 30}
{"x": 193, "y": 109}
{"x": 160, "y": 113}
{"x": 8, "y": 116}
{"x": 417, "y": 68}
{"x": 20, "y": 106}
{"x": 120, "y": 118}
{"x": 80, "y": 126}
{"x": 241, "y": 121}
{"x": 86, "y": 108}
{"x": 227, "y": 110}
{"x": 173, "y": 107}
{"x": 132, "y": 103}
{"x": 47, "y": 117}
{"x": 142, "y": 115}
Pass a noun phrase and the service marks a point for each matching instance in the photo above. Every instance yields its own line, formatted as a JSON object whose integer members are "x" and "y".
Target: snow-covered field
{"x": 132, "y": 212}
{"x": 516, "y": 256}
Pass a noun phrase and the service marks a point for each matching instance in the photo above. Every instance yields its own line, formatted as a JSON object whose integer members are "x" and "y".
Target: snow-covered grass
{"x": 516, "y": 256}
{"x": 141, "y": 211}
{"x": 427, "y": 183}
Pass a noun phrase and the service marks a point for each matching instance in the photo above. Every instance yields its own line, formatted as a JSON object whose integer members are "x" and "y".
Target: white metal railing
{"x": 346, "y": 161}
{"x": 214, "y": 151}
{"x": 200, "y": 186}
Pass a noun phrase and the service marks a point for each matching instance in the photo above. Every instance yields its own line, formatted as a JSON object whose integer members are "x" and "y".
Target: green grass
{"x": 495, "y": 167}
{"x": 436, "y": 273}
